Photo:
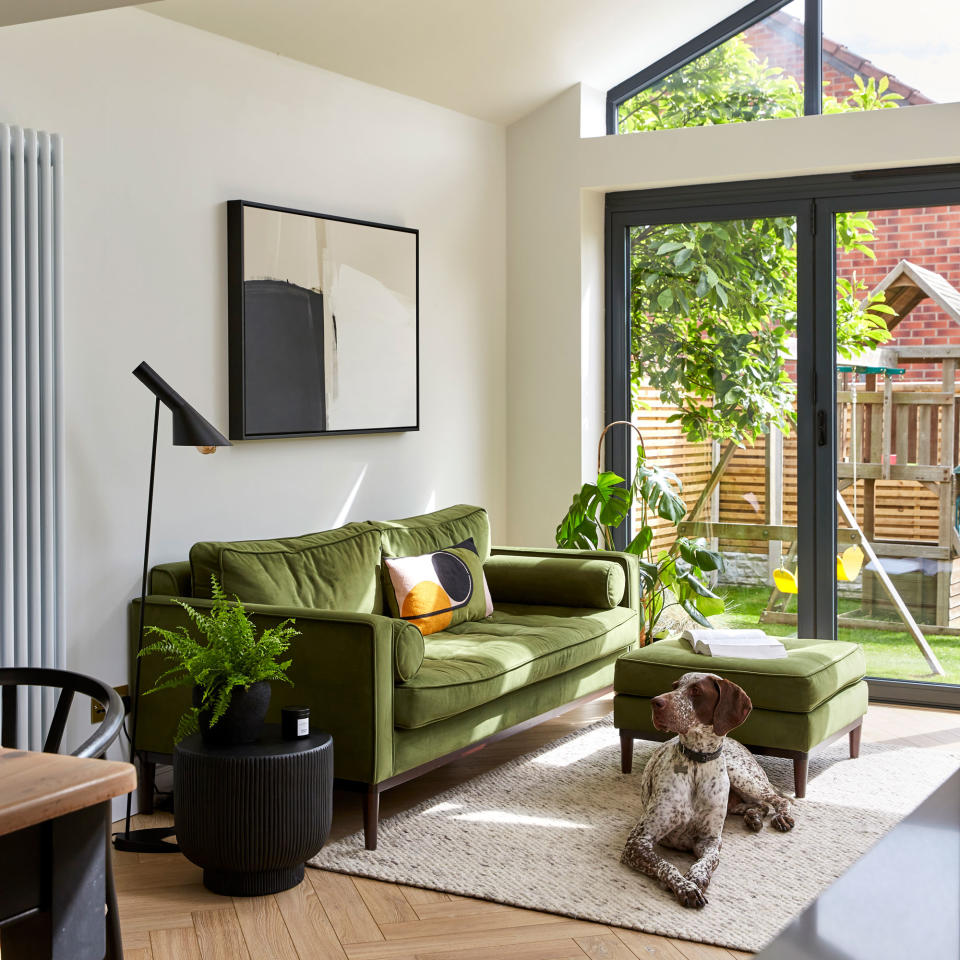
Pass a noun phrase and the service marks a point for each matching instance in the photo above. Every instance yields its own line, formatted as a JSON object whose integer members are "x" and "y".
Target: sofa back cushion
{"x": 333, "y": 570}
{"x": 439, "y": 530}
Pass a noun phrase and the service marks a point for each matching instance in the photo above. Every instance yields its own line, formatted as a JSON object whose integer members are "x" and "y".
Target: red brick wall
{"x": 785, "y": 50}
{"x": 928, "y": 236}
{"x": 779, "y": 40}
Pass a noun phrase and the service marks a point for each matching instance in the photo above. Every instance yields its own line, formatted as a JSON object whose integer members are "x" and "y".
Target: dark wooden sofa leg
{"x": 146, "y": 783}
{"x": 800, "y": 775}
{"x": 626, "y": 752}
{"x": 855, "y": 741}
{"x": 371, "y": 816}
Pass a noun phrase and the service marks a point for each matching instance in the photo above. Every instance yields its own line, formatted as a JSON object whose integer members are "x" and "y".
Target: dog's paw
{"x": 782, "y": 822}
{"x": 690, "y": 895}
{"x": 698, "y": 878}
{"x": 753, "y": 820}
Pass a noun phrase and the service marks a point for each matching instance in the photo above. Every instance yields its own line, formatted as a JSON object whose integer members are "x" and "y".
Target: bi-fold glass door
{"x": 896, "y": 430}
{"x": 788, "y": 352}
{"x": 713, "y": 336}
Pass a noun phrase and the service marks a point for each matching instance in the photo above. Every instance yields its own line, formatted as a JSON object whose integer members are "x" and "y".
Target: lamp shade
{"x": 189, "y": 428}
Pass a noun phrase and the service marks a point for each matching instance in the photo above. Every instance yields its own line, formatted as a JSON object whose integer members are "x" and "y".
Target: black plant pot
{"x": 243, "y": 720}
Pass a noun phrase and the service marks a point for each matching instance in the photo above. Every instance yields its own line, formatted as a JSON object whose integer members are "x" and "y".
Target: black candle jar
{"x": 294, "y": 722}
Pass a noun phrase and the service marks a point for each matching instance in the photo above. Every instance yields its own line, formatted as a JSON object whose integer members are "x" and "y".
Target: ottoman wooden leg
{"x": 855, "y": 740}
{"x": 626, "y": 752}
{"x": 800, "y": 775}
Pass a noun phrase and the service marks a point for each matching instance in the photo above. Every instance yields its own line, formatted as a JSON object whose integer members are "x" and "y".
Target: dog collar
{"x": 697, "y": 757}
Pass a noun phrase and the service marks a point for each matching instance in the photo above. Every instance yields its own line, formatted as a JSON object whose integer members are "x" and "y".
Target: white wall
{"x": 558, "y": 171}
{"x": 162, "y": 124}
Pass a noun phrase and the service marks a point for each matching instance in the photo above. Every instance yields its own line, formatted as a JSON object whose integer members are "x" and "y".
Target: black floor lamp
{"x": 189, "y": 430}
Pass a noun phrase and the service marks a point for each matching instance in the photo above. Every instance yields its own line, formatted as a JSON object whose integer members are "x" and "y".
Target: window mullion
{"x": 813, "y": 58}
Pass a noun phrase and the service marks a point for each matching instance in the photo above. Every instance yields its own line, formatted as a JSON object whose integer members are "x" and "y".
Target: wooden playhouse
{"x": 897, "y": 450}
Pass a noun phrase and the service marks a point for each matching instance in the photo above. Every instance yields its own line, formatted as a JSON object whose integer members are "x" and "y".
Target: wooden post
{"x": 715, "y": 496}
{"x": 923, "y": 436}
{"x": 886, "y": 431}
{"x": 773, "y": 480}
{"x": 871, "y": 453}
{"x": 947, "y": 499}
{"x": 726, "y": 457}
{"x": 902, "y": 434}
{"x": 842, "y": 418}
{"x": 856, "y": 438}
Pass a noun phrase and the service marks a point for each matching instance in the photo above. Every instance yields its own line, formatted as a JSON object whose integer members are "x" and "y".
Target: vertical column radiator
{"x": 31, "y": 431}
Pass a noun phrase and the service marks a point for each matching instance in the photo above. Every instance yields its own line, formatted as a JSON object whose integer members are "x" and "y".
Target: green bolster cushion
{"x": 407, "y": 650}
{"x": 564, "y": 582}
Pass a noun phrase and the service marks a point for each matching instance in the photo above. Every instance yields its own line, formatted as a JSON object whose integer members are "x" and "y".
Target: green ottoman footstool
{"x": 807, "y": 699}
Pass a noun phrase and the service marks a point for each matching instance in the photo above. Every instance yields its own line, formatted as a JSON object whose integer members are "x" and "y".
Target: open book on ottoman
{"x": 749, "y": 644}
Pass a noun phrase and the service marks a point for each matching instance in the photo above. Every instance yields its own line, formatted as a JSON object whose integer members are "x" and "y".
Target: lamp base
{"x": 147, "y": 840}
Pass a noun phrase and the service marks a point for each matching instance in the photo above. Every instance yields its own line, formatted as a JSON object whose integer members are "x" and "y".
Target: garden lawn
{"x": 889, "y": 654}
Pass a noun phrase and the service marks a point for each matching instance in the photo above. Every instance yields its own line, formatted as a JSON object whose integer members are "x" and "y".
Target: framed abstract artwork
{"x": 323, "y": 324}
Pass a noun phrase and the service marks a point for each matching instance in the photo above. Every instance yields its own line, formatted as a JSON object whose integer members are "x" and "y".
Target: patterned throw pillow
{"x": 437, "y": 590}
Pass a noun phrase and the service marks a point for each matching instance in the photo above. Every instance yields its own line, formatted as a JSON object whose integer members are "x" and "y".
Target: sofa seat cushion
{"x": 810, "y": 674}
{"x": 476, "y": 662}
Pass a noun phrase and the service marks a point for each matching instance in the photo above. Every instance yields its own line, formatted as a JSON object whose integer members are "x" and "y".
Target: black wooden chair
{"x": 12, "y": 680}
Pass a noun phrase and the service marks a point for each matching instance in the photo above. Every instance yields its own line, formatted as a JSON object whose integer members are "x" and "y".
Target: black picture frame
{"x": 248, "y": 421}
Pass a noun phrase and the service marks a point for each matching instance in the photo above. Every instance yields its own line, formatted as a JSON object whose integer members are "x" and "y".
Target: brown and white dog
{"x": 690, "y": 783}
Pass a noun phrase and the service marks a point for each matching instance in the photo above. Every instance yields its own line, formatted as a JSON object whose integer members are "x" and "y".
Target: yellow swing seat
{"x": 785, "y": 581}
{"x": 849, "y": 564}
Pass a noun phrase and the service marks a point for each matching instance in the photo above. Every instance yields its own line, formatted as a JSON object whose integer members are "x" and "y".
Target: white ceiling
{"x": 493, "y": 59}
{"x": 23, "y": 11}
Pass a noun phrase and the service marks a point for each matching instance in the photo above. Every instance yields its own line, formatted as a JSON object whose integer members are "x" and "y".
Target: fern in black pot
{"x": 229, "y": 671}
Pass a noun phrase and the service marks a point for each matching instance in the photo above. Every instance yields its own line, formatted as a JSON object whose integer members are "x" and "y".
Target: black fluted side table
{"x": 251, "y": 815}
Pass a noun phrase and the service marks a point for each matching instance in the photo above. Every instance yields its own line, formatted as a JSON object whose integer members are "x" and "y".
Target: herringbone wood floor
{"x": 167, "y": 914}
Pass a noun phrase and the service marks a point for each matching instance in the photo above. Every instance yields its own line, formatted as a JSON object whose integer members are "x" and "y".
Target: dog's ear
{"x": 733, "y": 707}
{"x": 675, "y": 684}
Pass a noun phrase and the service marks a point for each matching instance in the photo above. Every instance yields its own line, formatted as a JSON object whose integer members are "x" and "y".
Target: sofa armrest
{"x": 342, "y": 669}
{"x": 626, "y": 561}
{"x": 171, "y": 579}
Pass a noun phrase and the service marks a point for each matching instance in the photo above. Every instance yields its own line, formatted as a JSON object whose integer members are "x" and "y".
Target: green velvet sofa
{"x": 398, "y": 703}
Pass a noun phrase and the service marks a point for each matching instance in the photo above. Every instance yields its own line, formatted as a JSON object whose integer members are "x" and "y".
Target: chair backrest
{"x": 12, "y": 678}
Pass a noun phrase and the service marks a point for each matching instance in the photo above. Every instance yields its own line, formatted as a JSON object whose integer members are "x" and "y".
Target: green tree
{"x": 730, "y": 84}
{"x": 713, "y": 304}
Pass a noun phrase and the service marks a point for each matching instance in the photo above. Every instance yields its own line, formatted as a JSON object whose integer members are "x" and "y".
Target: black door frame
{"x": 813, "y": 201}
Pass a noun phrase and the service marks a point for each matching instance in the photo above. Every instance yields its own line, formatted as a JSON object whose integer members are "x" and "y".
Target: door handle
{"x": 821, "y": 428}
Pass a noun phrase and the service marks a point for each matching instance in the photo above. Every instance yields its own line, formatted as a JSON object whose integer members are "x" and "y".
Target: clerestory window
{"x": 790, "y": 58}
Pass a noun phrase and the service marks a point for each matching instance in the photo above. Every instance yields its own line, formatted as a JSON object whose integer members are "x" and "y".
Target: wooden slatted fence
{"x": 905, "y": 510}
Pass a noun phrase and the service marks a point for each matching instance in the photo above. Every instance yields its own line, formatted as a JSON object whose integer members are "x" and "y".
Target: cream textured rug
{"x": 546, "y": 830}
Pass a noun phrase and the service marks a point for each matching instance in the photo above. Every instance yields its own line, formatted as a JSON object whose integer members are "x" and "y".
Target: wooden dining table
{"x": 55, "y": 820}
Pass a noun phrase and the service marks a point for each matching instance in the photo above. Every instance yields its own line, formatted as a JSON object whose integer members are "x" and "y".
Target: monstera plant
{"x": 674, "y": 576}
